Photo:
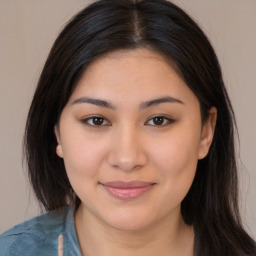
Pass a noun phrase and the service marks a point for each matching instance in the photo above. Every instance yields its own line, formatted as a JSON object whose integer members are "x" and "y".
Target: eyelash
{"x": 166, "y": 121}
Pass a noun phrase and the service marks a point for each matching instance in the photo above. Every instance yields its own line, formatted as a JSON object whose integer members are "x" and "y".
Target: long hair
{"x": 211, "y": 204}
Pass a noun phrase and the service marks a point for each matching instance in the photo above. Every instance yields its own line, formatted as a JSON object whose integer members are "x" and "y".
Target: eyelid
{"x": 169, "y": 121}
{"x": 85, "y": 121}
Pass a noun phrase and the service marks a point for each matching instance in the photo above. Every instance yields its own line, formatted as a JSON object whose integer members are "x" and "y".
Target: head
{"x": 103, "y": 35}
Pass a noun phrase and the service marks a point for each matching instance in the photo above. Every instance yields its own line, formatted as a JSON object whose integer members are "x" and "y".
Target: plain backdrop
{"x": 29, "y": 27}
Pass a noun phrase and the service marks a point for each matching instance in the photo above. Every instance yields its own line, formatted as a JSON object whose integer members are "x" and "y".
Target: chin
{"x": 129, "y": 222}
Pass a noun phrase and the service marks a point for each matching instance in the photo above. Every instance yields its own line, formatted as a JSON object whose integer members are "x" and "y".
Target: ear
{"x": 58, "y": 147}
{"x": 207, "y": 133}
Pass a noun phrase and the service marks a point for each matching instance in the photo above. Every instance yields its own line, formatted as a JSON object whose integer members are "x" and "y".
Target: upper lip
{"x": 125, "y": 184}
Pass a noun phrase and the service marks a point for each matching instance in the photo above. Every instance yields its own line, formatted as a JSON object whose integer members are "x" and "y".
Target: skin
{"x": 130, "y": 145}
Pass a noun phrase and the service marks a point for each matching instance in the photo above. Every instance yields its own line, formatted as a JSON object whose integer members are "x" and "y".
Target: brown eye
{"x": 96, "y": 121}
{"x": 159, "y": 121}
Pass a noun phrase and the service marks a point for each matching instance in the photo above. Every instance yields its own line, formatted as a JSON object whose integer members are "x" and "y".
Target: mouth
{"x": 127, "y": 190}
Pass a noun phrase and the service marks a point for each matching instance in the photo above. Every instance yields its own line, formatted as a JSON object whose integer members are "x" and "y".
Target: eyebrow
{"x": 146, "y": 104}
{"x": 97, "y": 102}
{"x": 158, "y": 101}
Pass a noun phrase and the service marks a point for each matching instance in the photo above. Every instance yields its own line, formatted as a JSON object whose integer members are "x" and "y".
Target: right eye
{"x": 96, "y": 121}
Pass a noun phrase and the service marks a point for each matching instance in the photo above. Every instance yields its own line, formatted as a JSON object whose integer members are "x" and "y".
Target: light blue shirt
{"x": 39, "y": 236}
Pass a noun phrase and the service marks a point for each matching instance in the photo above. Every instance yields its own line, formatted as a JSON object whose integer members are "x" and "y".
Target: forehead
{"x": 126, "y": 60}
{"x": 138, "y": 74}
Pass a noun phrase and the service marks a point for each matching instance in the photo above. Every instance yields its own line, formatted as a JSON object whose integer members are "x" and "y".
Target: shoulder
{"x": 37, "y": 236}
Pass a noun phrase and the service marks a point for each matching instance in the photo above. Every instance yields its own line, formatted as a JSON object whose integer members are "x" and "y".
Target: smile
{"x": 127, "y": 190}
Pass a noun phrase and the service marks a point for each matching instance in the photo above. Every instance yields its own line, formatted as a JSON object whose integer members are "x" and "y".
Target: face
{"x": 131, "y": 136}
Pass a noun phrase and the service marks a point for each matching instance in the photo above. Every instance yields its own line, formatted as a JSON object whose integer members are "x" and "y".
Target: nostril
{"x": 127, "y": 162}
{"x": 126, "y": 152}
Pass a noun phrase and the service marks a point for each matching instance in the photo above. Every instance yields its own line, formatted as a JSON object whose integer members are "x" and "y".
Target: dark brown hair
{"x": 108, "y": 25}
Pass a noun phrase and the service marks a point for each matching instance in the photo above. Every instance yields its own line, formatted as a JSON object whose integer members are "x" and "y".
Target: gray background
{"x": 27, "y": 31}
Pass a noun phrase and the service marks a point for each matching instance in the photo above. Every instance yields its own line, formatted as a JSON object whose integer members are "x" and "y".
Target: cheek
{"x": 176, "y": 160}
{"x": 178, "y": 148}
{"x": 82, "y": 158}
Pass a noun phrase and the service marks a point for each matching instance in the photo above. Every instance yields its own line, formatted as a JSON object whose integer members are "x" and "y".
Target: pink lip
{"x": 127, "y": 190}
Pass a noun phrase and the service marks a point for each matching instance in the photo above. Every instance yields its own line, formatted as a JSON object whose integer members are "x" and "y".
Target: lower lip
{"x": 127, "y": 193}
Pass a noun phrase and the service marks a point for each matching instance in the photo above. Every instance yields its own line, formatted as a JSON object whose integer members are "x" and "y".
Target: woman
{"x": 130, "y": 141}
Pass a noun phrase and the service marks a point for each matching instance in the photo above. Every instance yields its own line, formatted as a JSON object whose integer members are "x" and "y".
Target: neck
{"x": 170, "y": 236}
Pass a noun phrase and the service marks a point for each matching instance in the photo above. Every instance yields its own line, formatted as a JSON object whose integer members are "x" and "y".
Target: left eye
{"x": 96, "y": 121}
{"x": 159, "y": 121}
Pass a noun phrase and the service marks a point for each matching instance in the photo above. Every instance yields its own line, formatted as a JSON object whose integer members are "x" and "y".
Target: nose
{"x": 127, "y": 152}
